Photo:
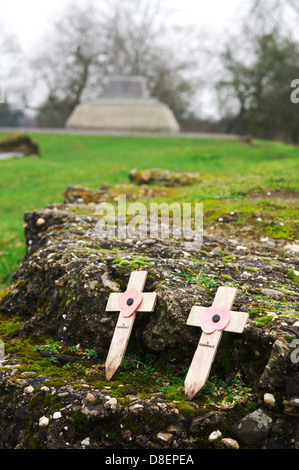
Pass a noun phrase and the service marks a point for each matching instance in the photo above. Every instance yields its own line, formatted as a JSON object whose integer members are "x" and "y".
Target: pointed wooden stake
{"x": 125, "y": 324}
{"x": 219, "y": 315}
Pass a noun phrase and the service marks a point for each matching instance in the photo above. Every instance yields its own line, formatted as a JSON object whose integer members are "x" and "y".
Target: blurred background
{"x": 223, "y": 67}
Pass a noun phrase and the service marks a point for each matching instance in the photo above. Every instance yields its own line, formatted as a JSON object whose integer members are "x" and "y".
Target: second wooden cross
{"x": 213, "y": 321}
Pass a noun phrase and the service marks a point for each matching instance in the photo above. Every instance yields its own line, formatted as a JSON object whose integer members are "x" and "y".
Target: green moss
{"x": 6, "y": 399}
{"x": 228, "y": 259}
{"x": 9, "y": 327}
{"x": 134, "y": 263}
{"x": 255, "y": 311}
{"x": 55, "y": 382}
{"x": 135, "y": 425}
{"x": 161, "y": 422}
{"x": 32, "y": 441}
{"x": 226, "y": 277}
{"x": 292, "y": 276}
{"x": 37, "y": 399}
{"x": 173, "y": 392}
{"x": 263, "y": 321}
{"x": 105, "y": 428}
{"x": 285, "y": 232}
{"x": 187, "y": 410}
{"x": 5, "y": 293}
{"x": 81, "y": 424}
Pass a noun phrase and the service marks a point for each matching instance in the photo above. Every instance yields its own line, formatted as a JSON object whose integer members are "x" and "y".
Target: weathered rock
{"x": 276, "y": 371}
{"x": 269, "y": 400}
{"x": 165, "y": 437}
{"x": 275, "y": 294}
{"x": 230, "y": 443}
{"x": 253, "y": 428}
{"x": 19, "y": 144}
{"x": 61, "y": 290}
{"x": 291, "y": 407}
{"x": 167, "y": 177}
{"x": 44, "y": 422}
{"x": 205, "y": 423}
{"x": 106, "y": 193}
{"x": 215, "y": 435}
{"x": 40, "y": 222}
{"x": 292, "y": 247}
{"x": 86, "y": 442}
{"x": 90, "y": 397}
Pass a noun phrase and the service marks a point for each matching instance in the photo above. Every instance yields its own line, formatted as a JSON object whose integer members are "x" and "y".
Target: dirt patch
{"x": 279, "y": 194}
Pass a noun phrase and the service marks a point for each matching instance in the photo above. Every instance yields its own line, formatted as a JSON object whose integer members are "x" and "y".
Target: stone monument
{"x": 126, "y": 107}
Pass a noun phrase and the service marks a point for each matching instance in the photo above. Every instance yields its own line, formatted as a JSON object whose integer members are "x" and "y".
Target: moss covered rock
{"x": 57, "y": 334}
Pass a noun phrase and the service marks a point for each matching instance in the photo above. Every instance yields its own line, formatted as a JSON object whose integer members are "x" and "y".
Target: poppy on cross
{"x": 130, "y": 302}
{"x": 213, "y": 321}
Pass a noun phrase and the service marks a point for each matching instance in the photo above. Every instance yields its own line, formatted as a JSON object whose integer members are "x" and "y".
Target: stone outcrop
{"x": 19, "y": 144}
{"x": 60, "y": 292}
{"x": 167, "y": 177}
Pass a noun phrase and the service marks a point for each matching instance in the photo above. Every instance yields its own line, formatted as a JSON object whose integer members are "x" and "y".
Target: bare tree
{"x": 74, "y": 61}
{"x": 11, "y": 62}
{"x": 279, "y": 14}
{"x": 69, "y": 62}
{"x": 257, "y": 92}
{"x": 8, "y": 41}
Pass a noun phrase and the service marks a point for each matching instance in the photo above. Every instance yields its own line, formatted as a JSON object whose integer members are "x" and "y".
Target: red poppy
{"x": 214, "y": 318}
{"x": 129, "y": 302}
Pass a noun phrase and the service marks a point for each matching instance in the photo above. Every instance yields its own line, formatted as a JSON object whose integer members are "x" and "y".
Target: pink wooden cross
{"x": 213, "y": 321}
{"x": 130, "y": 302}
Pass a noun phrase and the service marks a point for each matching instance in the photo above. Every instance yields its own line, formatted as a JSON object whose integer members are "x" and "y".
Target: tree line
{"x": 255, "y": 65}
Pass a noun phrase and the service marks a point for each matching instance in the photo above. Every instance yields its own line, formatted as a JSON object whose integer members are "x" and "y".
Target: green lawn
{"x": 233, "y": 172}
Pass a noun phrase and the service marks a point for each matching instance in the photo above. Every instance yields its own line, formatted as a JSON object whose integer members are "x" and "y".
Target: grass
{"x": 233, "y": 173}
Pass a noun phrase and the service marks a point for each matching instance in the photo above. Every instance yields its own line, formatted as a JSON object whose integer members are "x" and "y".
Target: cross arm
{"x": 236, "y": 325}
{"x": 147, "y": 305}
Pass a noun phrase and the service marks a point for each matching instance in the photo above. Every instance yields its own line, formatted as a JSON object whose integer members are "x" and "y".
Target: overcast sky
{"x": 28, "y": 18}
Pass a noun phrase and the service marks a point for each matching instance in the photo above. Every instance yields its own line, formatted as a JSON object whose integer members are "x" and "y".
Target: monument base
{"x": 130, "y": 115}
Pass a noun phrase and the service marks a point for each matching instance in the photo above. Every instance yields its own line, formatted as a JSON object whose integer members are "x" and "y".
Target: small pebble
{"x": 90, "y": 397}
{"x": 230, "y": 443}
{"x": 43, "y": 422}
{"x": 269, "y": 399}
{"x": 40, "y": 222}
{"x": 165, "y": 437}
{"x": 86, "y": 442}
{"x": 215, "y": 435}
{"x": 112, "y": 402}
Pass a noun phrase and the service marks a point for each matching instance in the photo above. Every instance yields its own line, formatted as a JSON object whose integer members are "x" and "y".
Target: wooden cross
{"x": 213, "y": 321}
{"x": 128, "y": 303}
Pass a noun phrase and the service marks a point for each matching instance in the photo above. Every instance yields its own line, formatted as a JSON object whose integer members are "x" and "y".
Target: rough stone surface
{"x": 205, "y": 423}
{"x": 61, "y": 290}
{"x": 253, "y": 428}
{"x": 230, "y": 443}
{"x": 167, "y": 177}
{"x": 128, "y": 115}
{"x": 21, "y": 144}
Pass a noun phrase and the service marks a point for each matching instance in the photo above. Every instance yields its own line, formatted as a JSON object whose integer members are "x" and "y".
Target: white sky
{"x": 28, "y": 18}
